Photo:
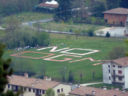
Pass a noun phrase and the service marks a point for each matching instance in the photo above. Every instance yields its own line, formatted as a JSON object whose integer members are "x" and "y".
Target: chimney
{"x": 26, "y": 75}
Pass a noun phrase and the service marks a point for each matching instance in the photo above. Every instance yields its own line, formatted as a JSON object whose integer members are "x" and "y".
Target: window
{"x": 8, "y": 85}
{"x": 109, "y": 78}
{"x": 109, "y": 70}
{"x": 120, "y": 72}
{"x": 24, "y": 89}
{"x": 109, "y": 66}
{"x": 33, "y": 90}
{"x": 58, "y": 90}
{"x": 29, "y": 89}
{"x": 120, "y": 78}
{"x": 119, "y": 66}
{"x": 113, "y": 65}
{"x": 106, "y": 20}
{"x": 61, "y": 89}
{"x": 114, "y": 72}
{"x": 43, "y": 92}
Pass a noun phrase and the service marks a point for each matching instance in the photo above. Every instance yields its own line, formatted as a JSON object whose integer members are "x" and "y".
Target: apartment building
{"x": 116, "y": 72}
{"x": 35, "y": 87}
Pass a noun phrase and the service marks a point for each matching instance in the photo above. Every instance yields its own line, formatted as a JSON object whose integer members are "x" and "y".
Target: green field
{"x": 29, "y": 16}
{"x": 61, "y": 26}
{"x": 53, "y": 68}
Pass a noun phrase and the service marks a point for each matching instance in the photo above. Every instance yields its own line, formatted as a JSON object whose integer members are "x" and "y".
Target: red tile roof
{"x": 32, "y": 82}
{"x": 117, "y": 11}
{"x": 48, "y": 5}
{"x": 121, "y": 61}
{"x": 83, "y": 91}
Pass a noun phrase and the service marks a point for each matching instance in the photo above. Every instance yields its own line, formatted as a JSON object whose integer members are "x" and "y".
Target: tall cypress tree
{"x": 64, "y": 11}
{"x": 5, "y": 71}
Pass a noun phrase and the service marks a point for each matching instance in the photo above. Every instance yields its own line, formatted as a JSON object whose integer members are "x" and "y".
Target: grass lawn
{"x": 30, "y": 16}
{"x": 54, "y": 68}
{"x": 108, "y": 86}
{"x": 68, "y": 27}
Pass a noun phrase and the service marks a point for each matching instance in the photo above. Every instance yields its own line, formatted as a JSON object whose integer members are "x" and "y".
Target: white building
{"x": 52, "y": 2}
{"x": 116, "y": 72}
{"x": 35, "y": 87}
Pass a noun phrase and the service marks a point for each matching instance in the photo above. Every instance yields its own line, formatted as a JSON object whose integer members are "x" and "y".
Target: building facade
{"x": 116, "y": 17}
{"x": 115, "y": 72}
{"x": 35, "y": 87}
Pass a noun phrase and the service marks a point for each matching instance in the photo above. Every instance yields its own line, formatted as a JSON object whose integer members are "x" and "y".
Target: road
{"x": 30, "y": 23}
{"x": 87, "y": 84}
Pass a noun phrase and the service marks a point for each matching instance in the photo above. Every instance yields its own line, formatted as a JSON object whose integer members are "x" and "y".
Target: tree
{"x": 97, "y": 8}
{"x": 50, "y": 92}
{"x": 124, "y": 3}
{"x": 8, "y": 7}
{"x": 71, "y": 77}
{"x": 107, "y": 35}
{"x": 5, "y": 71}
{"x": 116, "y": 52}
{"x": 127, "y": 45}
{"x": 93, "y": 75}
{"x": 63, "y": 73}
{"x": 64, "y": 11}
{"x": 113, "y": 4}
{"x": 77, "y": 33}
{"x": 90, "y": 32}
{"x": 79, "y": 9}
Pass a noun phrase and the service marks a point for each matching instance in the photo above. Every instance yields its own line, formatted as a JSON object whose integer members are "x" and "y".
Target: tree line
{"x": 8, "y": 7}
{"x": 65, "y": 10}
{"x": 16, "y": 35}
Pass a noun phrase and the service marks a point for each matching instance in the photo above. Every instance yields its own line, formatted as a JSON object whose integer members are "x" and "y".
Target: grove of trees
{"x": 18, "y": 36}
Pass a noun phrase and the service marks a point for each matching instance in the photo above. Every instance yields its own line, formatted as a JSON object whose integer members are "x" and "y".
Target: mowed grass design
{"x": 90, "y": 73}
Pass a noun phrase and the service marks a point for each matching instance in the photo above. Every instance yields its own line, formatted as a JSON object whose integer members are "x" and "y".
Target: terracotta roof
{"x": 83, "y": 91}
{"x": 32, "y": 82}
{"x": 121, "y": 61}
{"x": 48, "y": 5}
{"x": 117, "y": 11}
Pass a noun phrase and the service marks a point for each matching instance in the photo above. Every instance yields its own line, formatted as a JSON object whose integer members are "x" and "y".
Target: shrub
{"x": 107, "y": 35}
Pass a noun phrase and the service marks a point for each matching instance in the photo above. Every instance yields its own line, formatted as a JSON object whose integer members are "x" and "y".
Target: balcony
{"x": 115, "y": 75}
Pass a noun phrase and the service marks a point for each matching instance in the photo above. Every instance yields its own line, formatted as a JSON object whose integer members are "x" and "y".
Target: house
{"x": 35, "y": 87}
{"x": 90, "y": 91}
{"x": 116, "y": 16}
{"x": 116, "y": 72}
{"x": 47, "y": 6}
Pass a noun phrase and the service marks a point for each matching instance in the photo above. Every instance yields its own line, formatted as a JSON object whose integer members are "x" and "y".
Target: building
{"x": 126, "y": 27}
{"x": 90, "y": 91}
{"x": 116, "y": 16}
{"x": 116, "y": 72}
{"x": 35, "y": 87}
{"x": 47, "y": 6}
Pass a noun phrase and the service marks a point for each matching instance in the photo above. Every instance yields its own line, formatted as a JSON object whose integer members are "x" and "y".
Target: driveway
{"x": 30, "y": 23}
{"x": 114, "y": 31}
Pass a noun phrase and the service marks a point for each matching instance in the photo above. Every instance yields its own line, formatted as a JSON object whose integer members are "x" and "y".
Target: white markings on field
{"x": 61, "y": 55}
{"x": 69, "y": 52}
